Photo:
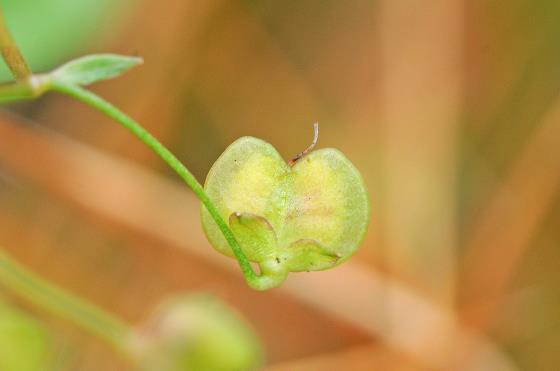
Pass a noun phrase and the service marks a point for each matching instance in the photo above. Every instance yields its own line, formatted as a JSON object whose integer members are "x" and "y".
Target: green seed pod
{"x": 24, "y": 342}
{"x": 306, "y": 217}
{"x": 195, "y": 332}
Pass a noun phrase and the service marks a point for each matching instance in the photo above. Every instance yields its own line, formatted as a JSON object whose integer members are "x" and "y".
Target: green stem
{"x": 11, "y": 54}
{"x": 33, "y": 288}
{"x": 31, "y": 86}
{"x": 262, "y": 282}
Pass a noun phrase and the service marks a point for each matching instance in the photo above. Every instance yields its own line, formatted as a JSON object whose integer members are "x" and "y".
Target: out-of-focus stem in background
{"x": 11, "y": 54}
{"x": 48, "y": 297}
{"x": 421, "y": 46}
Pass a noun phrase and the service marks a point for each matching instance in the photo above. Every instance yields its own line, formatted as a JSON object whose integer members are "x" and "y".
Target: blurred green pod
{"x": 24, "y": 342}
{"x": 195, "y": 332}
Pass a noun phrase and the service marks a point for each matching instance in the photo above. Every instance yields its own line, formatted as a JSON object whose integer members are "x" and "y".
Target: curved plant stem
{"x": 34, "y": 289}
{"x": 31, "y": 86}
{"x": 257, "y": 282}
{"x": 11, "y": 54}
{"x": 15, "y": 91}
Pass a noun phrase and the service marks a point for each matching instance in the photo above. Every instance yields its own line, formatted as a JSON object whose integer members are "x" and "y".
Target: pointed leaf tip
{"x": 92, "y": 68}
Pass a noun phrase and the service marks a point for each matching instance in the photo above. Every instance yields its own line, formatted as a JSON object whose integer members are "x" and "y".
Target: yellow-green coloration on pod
{"x": 306, "y": 217}
{"x": 24, "y": 342}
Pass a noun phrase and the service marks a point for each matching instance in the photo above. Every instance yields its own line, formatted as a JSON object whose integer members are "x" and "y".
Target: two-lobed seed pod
{"x": 306, "y": 217}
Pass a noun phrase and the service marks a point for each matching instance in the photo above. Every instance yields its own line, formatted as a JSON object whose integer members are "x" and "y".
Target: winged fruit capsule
{"x": 306, "y": 215}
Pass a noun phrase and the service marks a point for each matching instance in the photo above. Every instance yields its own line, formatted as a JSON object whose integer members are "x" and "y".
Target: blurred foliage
{"x": 51, "y": 31}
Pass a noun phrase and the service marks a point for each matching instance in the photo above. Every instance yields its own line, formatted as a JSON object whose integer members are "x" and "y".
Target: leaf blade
{"x": 93, "y": 68}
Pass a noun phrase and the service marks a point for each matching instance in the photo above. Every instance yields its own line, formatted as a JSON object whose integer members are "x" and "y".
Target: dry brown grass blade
{"x": 351, "y": 293}
{"x": 361, "y": 357}
{"x": 421, "y": 49}
{"x": 504, "y": 230}
{"x": 405, "y": 321}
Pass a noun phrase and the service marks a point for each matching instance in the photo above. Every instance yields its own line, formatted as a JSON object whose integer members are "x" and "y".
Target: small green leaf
{"x": 255, "y": 235}
{"x": 92, "y": 68}
{"x": 308, "y": 255}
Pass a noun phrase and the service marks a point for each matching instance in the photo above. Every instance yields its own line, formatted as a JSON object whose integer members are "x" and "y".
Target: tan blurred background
{"x": 449, "y": 108}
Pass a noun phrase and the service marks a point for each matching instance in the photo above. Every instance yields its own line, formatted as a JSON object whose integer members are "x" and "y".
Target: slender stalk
{"x": 15, "y": 91}
{"x": 87, "y": 316}
{"x": 91, "y": 99}
{"x": 303, "y": 153}
{"x": 11, "y": 54}
{"x": 31, "y": 86}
